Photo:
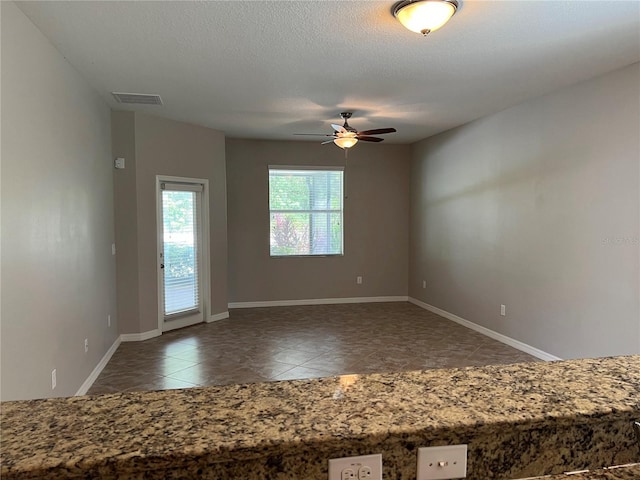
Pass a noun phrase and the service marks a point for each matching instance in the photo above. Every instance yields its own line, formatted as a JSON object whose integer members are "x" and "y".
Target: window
{"x": 305, "y": 205}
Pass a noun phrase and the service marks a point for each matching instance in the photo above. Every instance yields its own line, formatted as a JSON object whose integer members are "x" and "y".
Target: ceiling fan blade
{"x": 339, "y": 128}
{"x": 328, "y": 141}
{"x": 377, "y": 131}
{"x": 369, "y": 139}
{"x": 316, "y": 134}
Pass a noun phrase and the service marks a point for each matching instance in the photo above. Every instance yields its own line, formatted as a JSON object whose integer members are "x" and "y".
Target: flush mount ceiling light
{"x": 424, "y": 16}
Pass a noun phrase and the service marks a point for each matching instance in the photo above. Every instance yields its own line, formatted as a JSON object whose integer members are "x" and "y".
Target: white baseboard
{"x": 139, "y": 337}
{"x": 84, "y": 388}
{"x": 217, "y": 316}
{"x": 485, "y": 331}
{"x": 317, "y": 301}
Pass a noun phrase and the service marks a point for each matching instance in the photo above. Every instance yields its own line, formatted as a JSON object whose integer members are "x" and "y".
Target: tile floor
{"x": 285, "y": 343}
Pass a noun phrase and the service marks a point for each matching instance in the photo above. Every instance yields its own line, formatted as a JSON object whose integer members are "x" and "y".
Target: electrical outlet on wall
{"x": 359, "y": 280}
{"x": 503, "y": 310}
{"x": 86, "y": 345}
{"x": 54, "y": 380}
{"x": 364, "y": 467}
{"x": 424, "y": 284}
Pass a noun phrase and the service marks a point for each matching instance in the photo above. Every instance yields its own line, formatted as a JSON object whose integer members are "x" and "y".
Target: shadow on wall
{"x": 535, "y": 169}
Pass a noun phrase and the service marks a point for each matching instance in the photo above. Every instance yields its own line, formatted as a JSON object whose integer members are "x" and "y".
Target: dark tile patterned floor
{"x": 286, "y": 343}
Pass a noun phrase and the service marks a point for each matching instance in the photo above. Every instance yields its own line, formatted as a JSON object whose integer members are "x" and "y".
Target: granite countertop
{"x": 624, "y": 472}
{"x": 143, "y": 431}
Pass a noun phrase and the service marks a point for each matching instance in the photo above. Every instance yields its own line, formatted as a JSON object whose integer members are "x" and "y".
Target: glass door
{"x": 181, "y": 254}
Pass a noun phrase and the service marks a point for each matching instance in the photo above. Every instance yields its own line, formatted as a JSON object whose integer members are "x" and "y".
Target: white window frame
{"x": 314, "y": 168}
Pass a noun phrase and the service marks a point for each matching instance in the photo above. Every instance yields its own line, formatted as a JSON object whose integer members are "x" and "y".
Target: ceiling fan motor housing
{"x": 346, "y": 116}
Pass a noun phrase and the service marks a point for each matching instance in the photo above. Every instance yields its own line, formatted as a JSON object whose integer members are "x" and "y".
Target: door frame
{"x": 205, "y": 275}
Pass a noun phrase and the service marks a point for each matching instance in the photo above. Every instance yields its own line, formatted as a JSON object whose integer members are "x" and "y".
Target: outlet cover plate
{"x": 442, "y": 463}
{"x": 371, "y": 463}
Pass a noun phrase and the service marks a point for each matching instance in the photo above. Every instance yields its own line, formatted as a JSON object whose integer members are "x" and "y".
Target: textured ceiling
{"x": 267, "y": 69}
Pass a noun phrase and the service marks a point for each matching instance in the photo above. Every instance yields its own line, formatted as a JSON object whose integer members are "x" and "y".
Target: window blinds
{"x": 306, "y": 211}
{"x": 181, "y": 245}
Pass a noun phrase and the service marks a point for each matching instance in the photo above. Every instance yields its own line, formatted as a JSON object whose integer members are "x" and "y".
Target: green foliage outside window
{"x": 179, "y": 260}
{"x": 179, "y": 247}
{"x": 306, "y": 212}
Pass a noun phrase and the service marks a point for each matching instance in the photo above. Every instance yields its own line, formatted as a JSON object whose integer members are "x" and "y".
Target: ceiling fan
{"x": 345, "y": 136}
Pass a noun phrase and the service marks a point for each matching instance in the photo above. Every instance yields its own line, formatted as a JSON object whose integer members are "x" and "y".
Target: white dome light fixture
{"x": 346, "y": 140}
{"x": 424, "y": 16}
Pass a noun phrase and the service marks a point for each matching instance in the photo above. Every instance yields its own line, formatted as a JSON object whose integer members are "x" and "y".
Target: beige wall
{"x": 537, "y": 207}
{"x": 123, "y": 144}
{"x": 58, "y": 274}
{"x": 375, "y": 219}
{"x": 156, "y": 146}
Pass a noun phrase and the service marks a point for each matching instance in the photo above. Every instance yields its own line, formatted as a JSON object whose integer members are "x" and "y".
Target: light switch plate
{"x": 442, "y": 463}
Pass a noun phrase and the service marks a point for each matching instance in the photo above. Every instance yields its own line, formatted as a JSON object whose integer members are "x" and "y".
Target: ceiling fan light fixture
{"x": 425, "y": 16}
{"x": 346, "y": 137}
{"x": 345, "y": 142}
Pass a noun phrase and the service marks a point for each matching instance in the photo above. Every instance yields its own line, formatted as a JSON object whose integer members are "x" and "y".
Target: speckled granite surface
{"x": 519, "y": 421}
{"x": 627, "y": 472}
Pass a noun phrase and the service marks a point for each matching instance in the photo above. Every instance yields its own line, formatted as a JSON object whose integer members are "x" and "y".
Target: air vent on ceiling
{"x": 137, "y": 98}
